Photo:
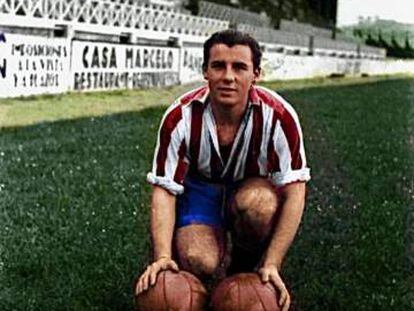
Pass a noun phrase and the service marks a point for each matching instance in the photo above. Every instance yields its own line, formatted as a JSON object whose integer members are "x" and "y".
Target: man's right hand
{"x": 149, "y": 277}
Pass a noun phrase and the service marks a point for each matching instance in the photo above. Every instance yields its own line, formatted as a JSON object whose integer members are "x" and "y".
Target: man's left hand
{"x": 270, "y": 273}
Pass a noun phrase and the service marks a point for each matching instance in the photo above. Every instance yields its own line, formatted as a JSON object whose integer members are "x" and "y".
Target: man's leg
{"x": 199, "y": 239}
{"x": 251, "y": 213}
{"x": 199, "y": 248}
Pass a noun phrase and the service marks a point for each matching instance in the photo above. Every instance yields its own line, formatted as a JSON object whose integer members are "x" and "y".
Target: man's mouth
{"x": 227, "y": 89}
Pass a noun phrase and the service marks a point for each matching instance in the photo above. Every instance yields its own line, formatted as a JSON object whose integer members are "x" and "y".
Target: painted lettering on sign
{"x": 99, "y": 58}
{"x": 145, "y": 58}
{"x": 48, "y": 64}
{"x": 3, "y": 63}
{"x": 3, "y": 67}
{"x": 35, "y": 80}
{"x": 99, "y": 65}
{"x": 32, "y": 65}
{"x": 100, "y": 80}
{"x": 115, "y": 80}
{"x": 39, "y": 65}
{"x": 192, "y": 61}
{"x": 37, "y": 50}
{"x": 154, "y": 79}
{"x": 191, "y": 64}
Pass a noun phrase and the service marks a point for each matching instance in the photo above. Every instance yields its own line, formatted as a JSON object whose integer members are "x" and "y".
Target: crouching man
{"x": 229, "y": 157}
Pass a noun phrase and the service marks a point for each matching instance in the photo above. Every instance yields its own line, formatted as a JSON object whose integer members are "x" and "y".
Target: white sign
{"x": 191, "y": 64}
{"x": 32, "y": 65}
{"x": 98, "y": 66}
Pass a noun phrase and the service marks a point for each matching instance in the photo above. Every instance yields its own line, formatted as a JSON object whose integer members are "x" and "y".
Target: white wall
{"x": 31, "y": 65}
{"x": 277, "y": 66}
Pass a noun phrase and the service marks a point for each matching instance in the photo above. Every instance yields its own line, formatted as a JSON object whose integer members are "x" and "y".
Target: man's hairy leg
{"x": 261, "y": 220}
{"x": 252, "y": 213}
{"x": 200, "y": 248}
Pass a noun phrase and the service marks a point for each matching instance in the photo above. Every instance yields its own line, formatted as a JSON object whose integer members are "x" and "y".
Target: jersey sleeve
{"x": 170, "y": 161}
{"x": 288, "y": 149}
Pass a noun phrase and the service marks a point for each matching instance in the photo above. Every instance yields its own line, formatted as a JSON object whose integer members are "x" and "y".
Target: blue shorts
{"x": 202, "y": 203}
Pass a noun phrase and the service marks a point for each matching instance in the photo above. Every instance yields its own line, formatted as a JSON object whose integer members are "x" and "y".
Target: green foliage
{"x": 74, "y": 202}
{"x": 396, "y": 38}
{"x": 393, "y": 47}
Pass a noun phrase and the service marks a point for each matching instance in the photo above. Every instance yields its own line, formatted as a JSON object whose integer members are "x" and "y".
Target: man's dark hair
{"x": 231, "y": 37}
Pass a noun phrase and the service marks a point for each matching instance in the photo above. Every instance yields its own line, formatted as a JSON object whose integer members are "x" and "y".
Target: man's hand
{"x": 149, "y": 277}
{"x": 271, "y": 273}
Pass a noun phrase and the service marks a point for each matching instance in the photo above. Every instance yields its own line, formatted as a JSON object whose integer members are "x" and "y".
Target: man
{"x": 230, "y": 156}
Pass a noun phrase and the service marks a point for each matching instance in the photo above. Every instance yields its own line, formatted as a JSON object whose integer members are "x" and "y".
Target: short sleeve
{"x": 289, "y": 150}
{"x": 170, "y": 162}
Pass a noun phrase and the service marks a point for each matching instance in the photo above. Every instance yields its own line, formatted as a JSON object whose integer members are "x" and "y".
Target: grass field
{"x": 74, "y": 202}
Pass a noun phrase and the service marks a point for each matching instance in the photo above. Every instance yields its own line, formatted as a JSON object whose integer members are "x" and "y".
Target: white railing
{"x": 233, "y": 15}
{"x": 308, "y": 29}
{"x": 269, "y": 35}
{"x": 142, "y": 17}
{"x": 134, "y": 16}
{"x": 324, "y": 43}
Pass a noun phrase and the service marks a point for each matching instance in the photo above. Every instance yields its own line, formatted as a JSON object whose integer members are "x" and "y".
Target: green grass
{"x": 74, "y": 202}
{"x": 351, "y": 248}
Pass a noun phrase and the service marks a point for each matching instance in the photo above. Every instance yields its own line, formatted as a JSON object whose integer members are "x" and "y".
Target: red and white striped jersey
{"x": 269, "y": 143}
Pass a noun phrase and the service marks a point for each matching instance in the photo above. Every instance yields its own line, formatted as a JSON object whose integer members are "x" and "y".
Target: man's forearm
{"x": 287, "y": 225}
{"x": 162, "y": 222}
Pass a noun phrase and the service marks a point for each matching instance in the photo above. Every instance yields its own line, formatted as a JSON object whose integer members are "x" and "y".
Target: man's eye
{"x": 240, "y": 67}
{"x": 216, "y": 65}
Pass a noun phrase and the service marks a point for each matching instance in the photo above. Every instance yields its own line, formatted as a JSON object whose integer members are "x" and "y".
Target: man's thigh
{"x": 199, "y": 238}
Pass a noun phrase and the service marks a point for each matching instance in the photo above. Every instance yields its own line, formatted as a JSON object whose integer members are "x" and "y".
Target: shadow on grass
{"x": 74, "y": 211}
{"x": 74, "y": 205}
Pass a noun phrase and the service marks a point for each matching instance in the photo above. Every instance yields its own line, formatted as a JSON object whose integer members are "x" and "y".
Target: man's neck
{"x": 228, "y": 116}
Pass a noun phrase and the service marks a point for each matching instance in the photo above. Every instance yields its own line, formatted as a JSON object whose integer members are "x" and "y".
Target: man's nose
{"x": 229, "y": 75}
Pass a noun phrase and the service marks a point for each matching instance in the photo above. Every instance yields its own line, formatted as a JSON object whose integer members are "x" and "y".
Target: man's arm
{"x": 162, "y": 230}
{"x": 162, "y": 222}
{"x": 287, "y": 226}
{"x": 284, "y": 233}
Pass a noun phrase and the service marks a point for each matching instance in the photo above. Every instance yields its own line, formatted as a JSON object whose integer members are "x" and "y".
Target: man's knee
{"x": 254, "y": 207}
{"x": 199, "y": 249}
{"x": 200, "y": 263}
{"x": 257, "y": 198}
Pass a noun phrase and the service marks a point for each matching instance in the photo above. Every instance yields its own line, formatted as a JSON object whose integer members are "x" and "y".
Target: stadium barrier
{"x": 31, "y": 65}
{"x": 136, "y": 21}
{"x": 279, "y": 66}
{"x": 55, "y": 46}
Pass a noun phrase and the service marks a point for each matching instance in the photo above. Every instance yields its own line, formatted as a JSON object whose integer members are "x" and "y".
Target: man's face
{"x": 230, "y": 74}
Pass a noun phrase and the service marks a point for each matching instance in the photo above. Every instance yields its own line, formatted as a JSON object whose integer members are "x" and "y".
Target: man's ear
{"x": 204, "y": 69}
{"x": 257, "y": 72}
